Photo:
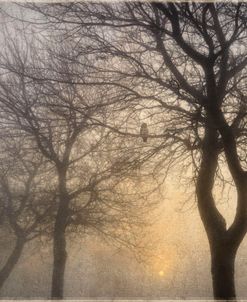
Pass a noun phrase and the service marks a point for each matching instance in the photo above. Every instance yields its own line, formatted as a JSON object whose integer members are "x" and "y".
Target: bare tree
{"x": 184, "y": 65}
{"x": 44, "y": 95}
{"x": 27, "y": 207}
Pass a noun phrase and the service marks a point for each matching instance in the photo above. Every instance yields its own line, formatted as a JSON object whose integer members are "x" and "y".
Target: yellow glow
{"x": 161, "y": 273}
{"x": 163, "y": 262}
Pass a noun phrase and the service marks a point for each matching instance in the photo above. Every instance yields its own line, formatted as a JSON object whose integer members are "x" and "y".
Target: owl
{"x": 144, "y": 132}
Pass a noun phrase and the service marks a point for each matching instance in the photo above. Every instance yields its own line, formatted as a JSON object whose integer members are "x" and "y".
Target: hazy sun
{"x": 161, "y": 273}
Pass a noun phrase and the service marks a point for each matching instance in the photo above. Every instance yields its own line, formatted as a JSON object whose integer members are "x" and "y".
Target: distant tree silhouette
{"x": 26, "y": 205}
{"x": 45, "y": 96}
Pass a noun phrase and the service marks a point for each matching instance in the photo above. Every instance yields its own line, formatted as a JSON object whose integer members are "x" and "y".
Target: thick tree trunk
{"x": 59, "y": 243}
{"x": 223, "y": 248}
{"x": 12, "y": 261}
{"x": 222, "y": 269}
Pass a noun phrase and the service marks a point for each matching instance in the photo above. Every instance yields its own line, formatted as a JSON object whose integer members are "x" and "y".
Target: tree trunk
{"x": 60, "y": 256}
{"x": 222, "y": 269}
{"x": 59, "y": 243}
{"x": 223, "y": 248}
{"x": 12, "y": 261}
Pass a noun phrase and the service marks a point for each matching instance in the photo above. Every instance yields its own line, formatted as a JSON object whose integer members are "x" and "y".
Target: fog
{"x": 119, "y": 124}
{"x": 96, "y": 269}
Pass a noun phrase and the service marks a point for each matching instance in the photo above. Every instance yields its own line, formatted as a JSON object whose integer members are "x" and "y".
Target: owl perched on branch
{"x": 144, "y": 132}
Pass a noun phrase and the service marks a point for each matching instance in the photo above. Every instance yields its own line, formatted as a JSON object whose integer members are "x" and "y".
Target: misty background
{"x": 96, "y": 269}
{"x": 117, "y": 170}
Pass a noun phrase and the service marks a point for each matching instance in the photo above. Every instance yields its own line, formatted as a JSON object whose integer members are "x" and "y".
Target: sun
{"x": 161, "y": 273}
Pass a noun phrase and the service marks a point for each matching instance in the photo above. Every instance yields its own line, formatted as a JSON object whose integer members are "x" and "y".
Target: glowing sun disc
{"x": 161, "y": 273}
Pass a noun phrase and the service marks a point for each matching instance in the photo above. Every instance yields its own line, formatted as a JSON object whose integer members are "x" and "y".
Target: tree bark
{"x": 60, "y": 256}
{"x": 12, "y": 261}
{"x": 223, "y": 255}
{"x": 223, "y": 248}
{"x": 222, "y": 269}
{"x": 59, "y": 244}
